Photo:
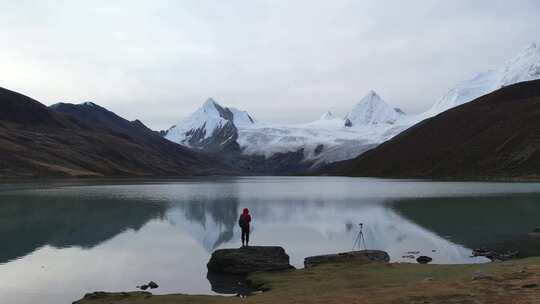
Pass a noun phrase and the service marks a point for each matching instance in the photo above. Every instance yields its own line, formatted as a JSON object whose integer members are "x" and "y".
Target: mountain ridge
{"x": 37, "y": 141}
{"x": 232, "y": 137}
{"x": 495, "y": 136}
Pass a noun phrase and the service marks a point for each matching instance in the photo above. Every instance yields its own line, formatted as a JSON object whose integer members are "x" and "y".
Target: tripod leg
{"x": 356, "y": 241}
{"x": 364, "y": 241}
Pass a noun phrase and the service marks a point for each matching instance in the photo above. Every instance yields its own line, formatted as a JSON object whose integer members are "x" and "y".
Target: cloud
{"x": 283, "y": 61}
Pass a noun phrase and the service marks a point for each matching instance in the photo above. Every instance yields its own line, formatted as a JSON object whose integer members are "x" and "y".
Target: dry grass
{"x": 360, "y": 282}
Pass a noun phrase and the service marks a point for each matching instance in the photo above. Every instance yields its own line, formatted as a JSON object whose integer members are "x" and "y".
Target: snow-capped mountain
{"x": 330, "y": 138}
{"x": 372, "y": 110}
{"x": 525, "y": 66}
{"x": 211, "y": 127}
{"x": 201, "y": 125}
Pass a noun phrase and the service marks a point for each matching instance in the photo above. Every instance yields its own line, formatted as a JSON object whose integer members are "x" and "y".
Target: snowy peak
{"x": 523, "y": 67}
{"x": 327, "y": 116}
{"x": 373, "y": 110}
{"x": 373, "y": 95}
{"x": 200, "y": 125}
{"x": 210, "y": 102}
{"x": 214, "y": 109}
{"x": 209, "y": 105}
{"x": 212, "y": 125}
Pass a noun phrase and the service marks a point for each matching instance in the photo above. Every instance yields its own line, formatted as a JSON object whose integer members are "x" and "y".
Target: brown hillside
{"x": 36, "y": 141}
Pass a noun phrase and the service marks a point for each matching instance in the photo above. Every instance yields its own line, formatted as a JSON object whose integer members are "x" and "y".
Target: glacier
{"x": 370, "y": 122}
{"x": 327, "y": 139}
{"x": 523, "y": 67}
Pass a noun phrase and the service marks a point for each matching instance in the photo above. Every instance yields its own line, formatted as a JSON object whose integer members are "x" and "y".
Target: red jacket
{"x": 245, "y": 216}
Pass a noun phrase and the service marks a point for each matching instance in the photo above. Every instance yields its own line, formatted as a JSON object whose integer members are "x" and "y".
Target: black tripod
{"x": 360, "y": 239}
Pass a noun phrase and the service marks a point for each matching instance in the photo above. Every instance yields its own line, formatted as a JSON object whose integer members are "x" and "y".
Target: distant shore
{"x": 92, "y": 178}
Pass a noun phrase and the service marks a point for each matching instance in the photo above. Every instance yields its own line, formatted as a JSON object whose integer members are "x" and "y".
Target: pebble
{"x": 481, "y": 275}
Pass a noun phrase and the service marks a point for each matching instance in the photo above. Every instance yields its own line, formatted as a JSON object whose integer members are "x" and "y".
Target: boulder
{"x": 494, "y": 255}
{"x": 423, "y": 259}
{"x": 371, "y": 255}
{"x": 151, "y": 285}
{"x": 245, "y": 260}
{"x": 223, "y": 283}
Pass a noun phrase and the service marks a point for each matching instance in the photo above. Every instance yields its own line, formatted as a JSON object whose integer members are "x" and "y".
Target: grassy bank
{"x": 358, "y": 281}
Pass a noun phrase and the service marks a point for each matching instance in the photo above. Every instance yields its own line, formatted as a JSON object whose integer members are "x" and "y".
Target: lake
{"x": 61, "y": 239}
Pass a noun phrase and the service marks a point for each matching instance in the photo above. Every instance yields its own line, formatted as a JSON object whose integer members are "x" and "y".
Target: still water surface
{"x": 63, "y": 239}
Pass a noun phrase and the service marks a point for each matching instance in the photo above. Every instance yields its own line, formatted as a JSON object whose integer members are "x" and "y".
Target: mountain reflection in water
{"x": 28, "y": 222}
{"x": 114, "y": 236}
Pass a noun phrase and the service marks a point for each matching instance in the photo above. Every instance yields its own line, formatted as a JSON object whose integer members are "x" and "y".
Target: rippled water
{"x": 63, "y": 239}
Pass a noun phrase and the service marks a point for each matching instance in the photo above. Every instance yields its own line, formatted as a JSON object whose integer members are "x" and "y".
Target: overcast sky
{"x": 283, "y": 61}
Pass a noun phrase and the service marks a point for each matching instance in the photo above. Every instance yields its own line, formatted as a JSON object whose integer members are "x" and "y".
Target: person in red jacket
{"x": 244, "y": 221}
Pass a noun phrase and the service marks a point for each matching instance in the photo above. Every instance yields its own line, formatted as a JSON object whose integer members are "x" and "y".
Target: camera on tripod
{"x": 359, "y": 241}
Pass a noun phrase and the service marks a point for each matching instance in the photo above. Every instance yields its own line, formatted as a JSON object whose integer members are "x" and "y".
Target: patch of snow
{"x": 241, "y": 118}
{"x": 88, "y": 104}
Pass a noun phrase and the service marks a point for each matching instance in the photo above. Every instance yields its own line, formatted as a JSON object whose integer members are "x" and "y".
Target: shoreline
{"x": 361, "y": 281}
{"x": 23, "y": 179}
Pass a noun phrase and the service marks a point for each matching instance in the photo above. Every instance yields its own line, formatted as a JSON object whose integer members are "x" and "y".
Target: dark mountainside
{"x": 496, "y": 136}
{"x": 94, "y": 115}
{"x": 71, "y": 141}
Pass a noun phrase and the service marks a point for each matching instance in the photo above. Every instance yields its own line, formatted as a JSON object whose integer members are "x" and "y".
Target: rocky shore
{"x": 348, "y": 277}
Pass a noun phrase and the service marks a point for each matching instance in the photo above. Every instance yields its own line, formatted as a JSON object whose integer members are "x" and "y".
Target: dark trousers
{"x": 245, "y": 235}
